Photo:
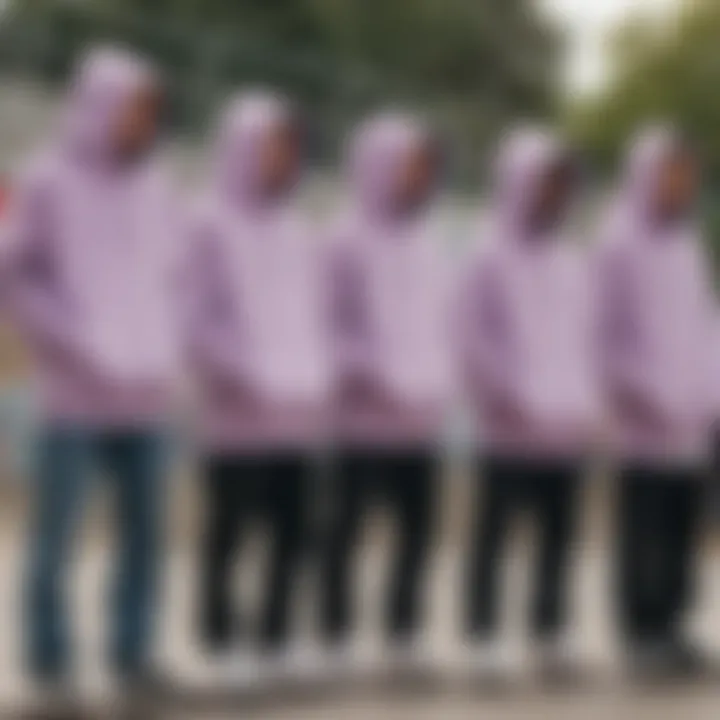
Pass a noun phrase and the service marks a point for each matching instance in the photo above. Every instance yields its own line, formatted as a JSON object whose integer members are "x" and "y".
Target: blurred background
{"x": 595, "y": 67}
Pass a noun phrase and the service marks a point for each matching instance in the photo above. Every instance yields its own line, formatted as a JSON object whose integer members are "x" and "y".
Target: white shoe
{"x": 346, "y": 661}
{"x": 242, "y": 668}
{"x": 411, "y": 656}
{"x": 57, "y": 699}
{"x": 558, "y": 659}
{"x": 299, "y": 663}
{"x": 492, "y": 660}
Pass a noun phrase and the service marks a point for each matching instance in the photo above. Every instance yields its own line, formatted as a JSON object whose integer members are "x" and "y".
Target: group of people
{"x": 355, "y": 337}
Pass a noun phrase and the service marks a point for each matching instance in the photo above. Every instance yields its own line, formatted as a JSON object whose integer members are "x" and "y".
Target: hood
{"x": 524, "y": 158}
{"x": 246, "y": 121}
{"x": 647, "y": 153}
{"x": 105, "y": 80}
{"x": 377, "y": 152}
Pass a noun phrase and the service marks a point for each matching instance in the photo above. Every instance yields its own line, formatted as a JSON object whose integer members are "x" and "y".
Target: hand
{"x": 77, "y": 364}
{"x": 363, "y": 389}
{"x": 640, "y": 409}
{"x": 234, "y": 391}
{"x": 506, "y": 409}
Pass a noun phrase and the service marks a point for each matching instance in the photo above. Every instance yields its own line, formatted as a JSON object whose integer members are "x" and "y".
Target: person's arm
{"x": 208, "y": 312}
{"x": 35, "y": 298}
{"x": 629, "y": 381}
{"x": 353, "y": 348}
{"x": 709, "y": 360}
{"x": 484, "y": 342}
{"x": 349, "y": 329}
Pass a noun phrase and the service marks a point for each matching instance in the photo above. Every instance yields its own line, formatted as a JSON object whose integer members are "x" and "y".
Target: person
{"x": 525, "y": 336}
{"x": 4, "y": 197}
{"x": 391, "y": 375}
{"x": 657, "y": 313}
{"x": 257, "y": 344}
{"x": 87, "y": 267}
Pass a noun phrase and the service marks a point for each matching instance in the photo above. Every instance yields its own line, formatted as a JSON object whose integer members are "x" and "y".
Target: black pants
{"x": 549, "y": 490}
{"x": 406, "y": 482}
{"x": 240, "y": 490}
{"x": 659, "y": 517}
{"x": 714, "y": 489}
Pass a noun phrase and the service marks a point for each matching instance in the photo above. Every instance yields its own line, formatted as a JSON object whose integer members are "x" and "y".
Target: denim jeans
{"x": 133, "y": 463}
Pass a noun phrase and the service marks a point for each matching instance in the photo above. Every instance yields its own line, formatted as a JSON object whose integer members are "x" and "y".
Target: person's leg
{"x": 683, "y": 518}
{"x": 224, "y": 482}
{"x": 494, "y": 487}
{"x": 555, "y": 494}
{"x": 639, "y": 548}
{"x": 64, "y": 468}
{"x": 288, "y": 480}
{"x": 135, "y": 462}
{"x": 352, "y": 473}
{"x": 713, "y": 491}
{"x": 410, "y": 480}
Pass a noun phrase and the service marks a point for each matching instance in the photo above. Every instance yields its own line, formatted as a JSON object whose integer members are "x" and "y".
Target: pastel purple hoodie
{"x": 389, "y": 300}
{"x": 87, "y": 259}
{"x": 255, "y": 302}
{"x": 525, "y": 330}
{"x": 658, "y": 319}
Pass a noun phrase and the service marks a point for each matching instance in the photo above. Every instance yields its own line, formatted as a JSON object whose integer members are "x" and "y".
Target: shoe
{"x": 558, "y": 660}
{"x": 56, "y": 700}
{"x": 298, "y": 663}
{"x": 490, "y": 660}
{"x": 688, "y": 660}
{"x": 412, "y": 665}
{"x": 143, "y": 689}
{"x": 345, "y": 661}
{"x": 408, "y": 656}
{"x": 652, "y": 660}
{"x": 242, "y": 668}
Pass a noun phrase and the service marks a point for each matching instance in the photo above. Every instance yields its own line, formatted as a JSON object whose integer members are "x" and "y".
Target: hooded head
{"x": 258, "y": 153}
{"x": 392, "y": 165}
{"x": 533, "y": 179}
{"x": 112, "y": 113}
{"x": 660, "y": 175}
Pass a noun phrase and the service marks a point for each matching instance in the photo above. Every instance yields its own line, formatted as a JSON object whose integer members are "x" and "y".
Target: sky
{"x": 588, "y": 22}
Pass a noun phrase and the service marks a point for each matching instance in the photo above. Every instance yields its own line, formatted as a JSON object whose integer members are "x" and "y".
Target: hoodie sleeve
{"x": 709, "y": 395}
{"x": 349, "y": 331}
{"x": 619, "y": 333}
{"x": 482, "y": 332}
{"x": 207, "y": 310}
{"x": 715, "y": 365}
{"x": 30, "y": 278}
{"x": 617, "y": 330}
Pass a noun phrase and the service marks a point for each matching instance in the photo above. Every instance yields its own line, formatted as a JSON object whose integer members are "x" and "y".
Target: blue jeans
{"x": 133, "y": 462}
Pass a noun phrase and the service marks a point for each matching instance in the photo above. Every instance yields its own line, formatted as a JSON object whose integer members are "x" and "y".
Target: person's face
{"x": 677, "y": 185}
{"x": 554, "y": 194}
{"x": 138, "y": 123}
{"x": 280, "y": 158}
{"x": 417, "y": 177}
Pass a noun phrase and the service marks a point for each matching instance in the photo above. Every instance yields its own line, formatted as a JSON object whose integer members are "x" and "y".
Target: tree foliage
{"x": 475, "y": 63}
{"x": 669, "y": 72}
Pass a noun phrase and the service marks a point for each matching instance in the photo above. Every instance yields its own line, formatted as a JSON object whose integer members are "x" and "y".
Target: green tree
{"x": 669, "y": 72}
{"x": 474, "y": 63}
